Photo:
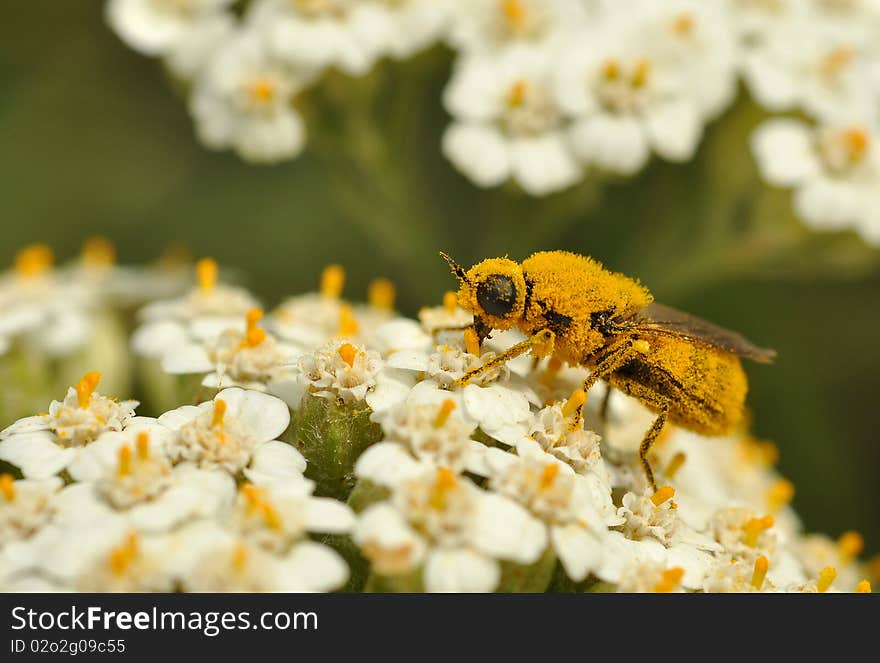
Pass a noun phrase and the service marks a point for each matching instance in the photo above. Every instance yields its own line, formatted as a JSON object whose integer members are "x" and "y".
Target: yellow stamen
{"x": 554, "y": 365}
{"x": 850, "y": 544}
{"x": 124, "y": 461}
{"x": 348, "y": 324}
{"x": 443, "y": 484}
{"x": 670, "y": 580}
{"x": 254, "y": 335}
{"x": 548, "y": 476}
{"x": 662, "y": 495}
{"x": 262, "y": 90}
{"x": 683, "y": 24}
{"x": 381, "y": 294}
{"x": 219, "y": 413}
{"x": 675, "y": 465}
{"x": 446, "y": 409}
{"x": 515, "y": 13}
{"x": 864, "y": 587}
{"x": 332, "y": 281}
{"x": 780, "y": 494}
{"x": 826, "y": 577}
{"x": 450, "y": 302}
{"x": 252, "y": 495}
{"x": 98, "y": 252}
{"x": 837, "y": 60}
{"x": 7, "y": 487}
{"x": 34, "y": 260}
{"x": 86, "y": 387}
{"x": 574, "y": 403}
{"x": 517, "y": 95}
{"x": 472, "y": 341}
{"x": 122, "y": 556}
{"x": 642, "y": 73}
{"x": 143, "y": 445}
{"x": 348, "y": 353}
{"x": 753, "y": 529}
{"x": 239, "y": 557}
{"x": 611, "y": 69}
{"x": 175, "y": 256}
{"x": 271, "y": 516}
{"x": 206, "y": 274}
{"x": 856, "y": 141}
{"x": 762, "y": 564}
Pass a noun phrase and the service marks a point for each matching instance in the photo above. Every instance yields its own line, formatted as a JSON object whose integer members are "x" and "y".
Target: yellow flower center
{"x": 34, "y": 260}
{"x": 446, "y": 409}
{"x": 864, "y": 587}
{"x": 7, "y": 487}
{"x": 837, "y": 60}
{"x": 348, "y": 324}
{"x": 516, "y": 97}
{"x": 670, "y": 580}
{"x": 262, "y": 91}
{"x": 450, "y": 302}
{"x": 219, "y": 413}
{"x": 445, "y": 482}
{"x": 143, "y": 445}
{"x": 98, "y": 252}
{"x": 239, "y": 558}
{"x": 381, "y": 294}
{"x": 762, "y": 564}
{"x": 683, "y": 24}
{"x": 254, "y": 335}
{"x": 124, "y": 468}
{"x": 121, "y": 557}
{"x": 753, "y": 529}
{"x": 850, "y": 544}
{"x": 348, "y": 353}
{"x": 515, "y": 14}
{"x": 662, "y": 495}
{"x": 332, "y": 281}
{"x": 826, "y": 577}
{"x": 548, "y": 476}
{"x": 206, "y": 274}
{"x": 86, "y": 387}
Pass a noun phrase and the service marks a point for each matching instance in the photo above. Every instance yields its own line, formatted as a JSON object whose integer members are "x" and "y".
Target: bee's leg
{"x": 453, "y": 328}
{"x": 541, "y": 342}
{"x": 604, "y": 407}
{"x": 612, "y": 360}
{"x": 649, "y": 439}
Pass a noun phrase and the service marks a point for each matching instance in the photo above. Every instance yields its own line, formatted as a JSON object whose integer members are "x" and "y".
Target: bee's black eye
{"x": 497, "y": 295}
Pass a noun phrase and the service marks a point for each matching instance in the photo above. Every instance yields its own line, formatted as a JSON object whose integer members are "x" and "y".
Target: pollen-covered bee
{"x": 686, "y": 370}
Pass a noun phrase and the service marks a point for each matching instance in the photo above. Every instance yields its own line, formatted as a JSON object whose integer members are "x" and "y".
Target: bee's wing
{"x": 664, "y": 320}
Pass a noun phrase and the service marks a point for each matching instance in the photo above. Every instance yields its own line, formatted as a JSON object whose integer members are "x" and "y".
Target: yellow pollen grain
{"x": 254, "y": 335}
{"x": 86, "y": 387}
{"x": 780, "y": 494}
{"x": 348, "y": 353}
{"x": 142, "y": 444}
{"x": 753, "y": 529}
{"x": 34, "y": 260}
{"x": 642, "y": 73}
{"x": 675, "y": 465}
{"x": 219, "y": 413}
{"x": 517, "y": 94}
{"x": 348, "y": 324}
{"x": 446, "y": 409}
{"x": 7, "y": 487}
{"x": 381, "y": 294}
{"x": 574, "y": 403}
{"x": 850, "y": 545}
{"x": 239, "y": 558}
{"x": 206, "y": 274}
{"x": 826, "y": 577}
{"x": 762, "y": 564}
{"x": 443, "y": 484}
{"x": 669, "y": 580}
{"x": 450, "y": 302}
{"x": 642, "y": 347}
{"x": 515, "y": 13}
{"x": 662, "y": 495}
{"x": 124, "y": 468}
{"x": 98, "y": 252}
{"x": 864, "y": 587}
{"x": 548, "y": 476}
{"x": 472, "y": 341}
{"x": 271, "y": 516}
{"x": 332, "y": 281}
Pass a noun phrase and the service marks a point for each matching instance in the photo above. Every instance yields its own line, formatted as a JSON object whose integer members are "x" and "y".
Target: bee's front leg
{"x": 541, "y": 343}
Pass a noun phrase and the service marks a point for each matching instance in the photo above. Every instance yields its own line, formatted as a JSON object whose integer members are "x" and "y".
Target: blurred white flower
{"x": 834, "y": 169}
{"x": 507, "y": 122}
{"x": 244, "y": 101}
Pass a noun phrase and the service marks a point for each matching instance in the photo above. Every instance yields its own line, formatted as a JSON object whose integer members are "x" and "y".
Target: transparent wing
{"x": 664, "y": 320}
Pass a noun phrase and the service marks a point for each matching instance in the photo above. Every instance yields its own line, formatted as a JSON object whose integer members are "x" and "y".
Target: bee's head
{"x": 493, "y": 290}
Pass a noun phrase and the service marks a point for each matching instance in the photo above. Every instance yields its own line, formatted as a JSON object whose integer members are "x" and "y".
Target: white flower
{"x": 835, "y": 170}
{"x": 450, "y": 527}
{"x": 626, "y": 101}
{"x": 552, "y": 431}
{"x": 314, "y": 34}
{"x": 507, "y": 123}
{"x": 243, "y": 101}
{"x": 487, "y": 25}
{"x": 341, "y": 370}
{"x": 154, "y": 27}
{"x": 227, "y": 431}
{"x": 189, "y": 57}
{"x": 43, "y": 445}
{"x": 650, "y": 577}
{"x": 26, "y": 506}
{"x": 450, "y": 315}
{"x": 404, "y": 27}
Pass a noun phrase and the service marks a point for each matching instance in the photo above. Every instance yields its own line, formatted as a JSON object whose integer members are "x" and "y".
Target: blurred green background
{"x": 96, "y": 141}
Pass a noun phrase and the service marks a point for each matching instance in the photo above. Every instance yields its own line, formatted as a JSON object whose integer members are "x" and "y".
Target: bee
{"x": 687, "y": 371}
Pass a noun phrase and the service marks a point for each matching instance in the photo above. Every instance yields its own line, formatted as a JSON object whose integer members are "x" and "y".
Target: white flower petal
{"x": 460, "y": 571}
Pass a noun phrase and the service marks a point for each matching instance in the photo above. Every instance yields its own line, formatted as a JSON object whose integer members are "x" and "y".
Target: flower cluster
{"x": 348, "y": 456}
{"x": 547, "y": 92}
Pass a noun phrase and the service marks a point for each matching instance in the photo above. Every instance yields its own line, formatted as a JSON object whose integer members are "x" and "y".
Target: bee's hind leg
{"x": 649, "y": 439}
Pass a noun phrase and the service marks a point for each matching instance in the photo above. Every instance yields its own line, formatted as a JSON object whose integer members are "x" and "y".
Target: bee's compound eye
{"x": 497, "y": 294}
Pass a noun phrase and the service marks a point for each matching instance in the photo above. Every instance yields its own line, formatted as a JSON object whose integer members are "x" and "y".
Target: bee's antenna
{"x": 457, "y": 269}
